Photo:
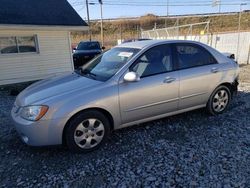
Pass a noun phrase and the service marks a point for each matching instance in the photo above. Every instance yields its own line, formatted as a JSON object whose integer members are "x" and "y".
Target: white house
{"x": 35, "y": 39}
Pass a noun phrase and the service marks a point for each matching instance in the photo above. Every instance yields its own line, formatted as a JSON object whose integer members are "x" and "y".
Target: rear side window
{"x": 190, "y": 55}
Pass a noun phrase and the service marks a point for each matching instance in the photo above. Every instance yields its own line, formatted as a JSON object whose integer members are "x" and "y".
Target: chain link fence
{"x": 237, "y": 43}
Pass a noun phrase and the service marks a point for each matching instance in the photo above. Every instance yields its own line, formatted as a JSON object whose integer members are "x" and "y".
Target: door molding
{"x": 153, "y": 104}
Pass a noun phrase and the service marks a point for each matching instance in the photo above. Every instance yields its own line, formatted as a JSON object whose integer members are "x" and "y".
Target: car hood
{"x": 54, "y": 86}
{"x": 86, "y": 52}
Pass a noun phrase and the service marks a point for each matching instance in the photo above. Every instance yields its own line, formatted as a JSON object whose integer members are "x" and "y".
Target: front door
{"x": 157, "y": 90}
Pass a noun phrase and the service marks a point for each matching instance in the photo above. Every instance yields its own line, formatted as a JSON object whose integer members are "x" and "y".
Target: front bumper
{"x": 39, "y": 133}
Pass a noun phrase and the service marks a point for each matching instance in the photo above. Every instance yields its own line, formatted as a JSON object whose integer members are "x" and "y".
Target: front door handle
{"x": 169, "y": 80}
{"x": 214, "y": 70}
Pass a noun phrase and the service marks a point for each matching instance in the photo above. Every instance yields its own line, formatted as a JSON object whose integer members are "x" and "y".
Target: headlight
{"x": 33, "y": 113}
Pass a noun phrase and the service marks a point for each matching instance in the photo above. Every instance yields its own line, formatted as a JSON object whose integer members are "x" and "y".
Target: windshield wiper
{"x": 92, "y": 75}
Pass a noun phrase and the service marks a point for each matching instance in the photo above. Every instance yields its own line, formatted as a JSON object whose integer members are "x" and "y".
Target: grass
{"x": 130, "y": 29}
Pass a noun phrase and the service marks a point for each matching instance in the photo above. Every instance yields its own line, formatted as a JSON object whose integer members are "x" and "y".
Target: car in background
{"x": 130, "y": 84}
{"x": 85, "y": 51}
{"x": 134, "y": 40}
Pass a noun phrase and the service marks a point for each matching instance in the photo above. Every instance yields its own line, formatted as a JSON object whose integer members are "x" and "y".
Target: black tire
{"x": 210, "y": 107}
{"x": 80, "y": 118}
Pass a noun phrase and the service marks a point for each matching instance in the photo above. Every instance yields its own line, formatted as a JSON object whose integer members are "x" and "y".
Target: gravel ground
{"x": 188, "y": 150}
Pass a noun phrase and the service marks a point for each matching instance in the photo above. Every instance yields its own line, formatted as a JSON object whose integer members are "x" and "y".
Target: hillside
{"x": 128, "y": 29}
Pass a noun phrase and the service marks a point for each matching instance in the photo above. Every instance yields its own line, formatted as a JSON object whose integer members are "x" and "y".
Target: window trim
{"x": 194, "y": 45}
{"x": 164, "y": 72}
{"x": 16, "y": 40}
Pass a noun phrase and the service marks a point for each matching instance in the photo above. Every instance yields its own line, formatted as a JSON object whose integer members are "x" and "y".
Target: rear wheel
{"x": 87, "y": 131}
{"x": 219, "y": 100}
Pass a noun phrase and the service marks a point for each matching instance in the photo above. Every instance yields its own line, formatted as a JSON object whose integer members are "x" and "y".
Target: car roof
{"x": 147, "y": 43}
{"x": 93, "y": 41}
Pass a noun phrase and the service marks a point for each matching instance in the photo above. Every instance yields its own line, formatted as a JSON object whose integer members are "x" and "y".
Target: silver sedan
{"x": 129, "y": 84}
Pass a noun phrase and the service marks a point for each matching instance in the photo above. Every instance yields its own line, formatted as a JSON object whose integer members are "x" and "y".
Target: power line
{"x": 155, "y": 4}
{"x": 175, "y": 2}
{"x": 170, "y": 5}
{"x": 159, "y": 2}
{"x": 163, "y": 1}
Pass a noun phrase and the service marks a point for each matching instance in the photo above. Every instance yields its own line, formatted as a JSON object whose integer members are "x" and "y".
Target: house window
{"x": 20, "y": 44}
{"x": 8, "y": 45}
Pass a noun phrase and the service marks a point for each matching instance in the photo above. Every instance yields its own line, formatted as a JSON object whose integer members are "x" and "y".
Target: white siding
{"x": 54, "y": 57}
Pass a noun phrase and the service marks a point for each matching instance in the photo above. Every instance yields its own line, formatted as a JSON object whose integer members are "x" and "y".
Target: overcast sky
{"x": 131, "y": 8}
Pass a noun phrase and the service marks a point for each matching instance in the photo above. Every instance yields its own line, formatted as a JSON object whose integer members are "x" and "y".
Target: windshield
{"x": 88, "y": 46}
{"x": 107, "y": 64}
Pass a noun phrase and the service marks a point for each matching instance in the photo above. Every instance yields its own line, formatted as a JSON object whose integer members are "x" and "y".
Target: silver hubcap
{"x": 220, "y": 100}
{"x": 89, "y": 133}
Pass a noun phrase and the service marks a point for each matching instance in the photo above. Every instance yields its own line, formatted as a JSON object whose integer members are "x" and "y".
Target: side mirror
{"x": 131, "y": 77}
{"x": 232, "y": 56}
{"x": 103, "y": 48}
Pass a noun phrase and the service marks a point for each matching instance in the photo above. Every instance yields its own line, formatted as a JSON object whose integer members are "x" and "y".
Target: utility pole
{"x": 177, "y": 26}
{"x": 102, "y": 34}
{"x": 121, "y": 32}
{"x": 217, "y": 3}
{"x": 248, "y": 58}
{"x": 138, "y": 32}
{"x": 219, "y": 6}
{"x": 239, "y": 25}
{"x": 89, "y": 30}
{"x": 167, "y": 8}
{"x": 167, "y": 13}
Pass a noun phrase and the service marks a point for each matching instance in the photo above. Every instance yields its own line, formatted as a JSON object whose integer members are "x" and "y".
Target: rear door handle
{"x": 214, "y": 70}
{"x": 169, "y": 80}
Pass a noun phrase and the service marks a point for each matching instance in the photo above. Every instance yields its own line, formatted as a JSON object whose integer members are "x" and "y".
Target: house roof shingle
{"x": 39, "y": 12}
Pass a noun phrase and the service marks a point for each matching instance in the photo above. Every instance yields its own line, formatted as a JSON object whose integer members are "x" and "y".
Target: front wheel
{"x": 87, "y": 131}
{"x": 219, "y": 100}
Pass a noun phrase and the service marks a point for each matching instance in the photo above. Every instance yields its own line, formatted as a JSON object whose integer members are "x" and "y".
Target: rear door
{"x": 199, "y": 74}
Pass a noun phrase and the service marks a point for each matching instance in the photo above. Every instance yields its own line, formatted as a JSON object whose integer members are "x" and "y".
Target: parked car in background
{"x": 131, "y": 83}
{"x": 85, "y": 51}
{"x": 134, "y": 40}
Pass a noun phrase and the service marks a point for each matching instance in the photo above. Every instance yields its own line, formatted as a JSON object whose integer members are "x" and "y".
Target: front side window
{"x": 154, "y": 61}
{"x": 18, "y": 44}
{"x": 108, "y": 64}
{"x": 190, "y": 55}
